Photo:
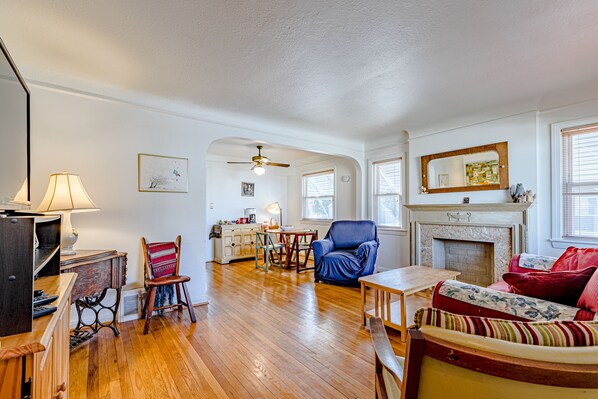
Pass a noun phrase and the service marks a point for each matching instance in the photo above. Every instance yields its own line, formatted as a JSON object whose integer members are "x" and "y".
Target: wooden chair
{"x": 302, "y": 242}
{"x": 272, "y": 251}
{"x": 166, "y": 272}
{"x": 460, "y": 368}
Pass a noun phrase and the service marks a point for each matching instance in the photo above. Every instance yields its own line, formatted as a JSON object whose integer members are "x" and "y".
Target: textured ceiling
{"x": 239, "y": 149}
{"x": 353, "y": 69}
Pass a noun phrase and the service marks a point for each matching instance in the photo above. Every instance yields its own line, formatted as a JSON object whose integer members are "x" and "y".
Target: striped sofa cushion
{"x": 543, "y": 333}
{"x": 162, "y": 258}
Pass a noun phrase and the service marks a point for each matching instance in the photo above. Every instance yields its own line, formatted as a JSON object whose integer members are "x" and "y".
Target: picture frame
{"x": 162, "y": 174}
{"x": 247, "y": 189}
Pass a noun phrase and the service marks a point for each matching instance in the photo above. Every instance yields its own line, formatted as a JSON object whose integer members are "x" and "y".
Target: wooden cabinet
{"x": 237, "y": 241}
{"x": 36, "y": 363}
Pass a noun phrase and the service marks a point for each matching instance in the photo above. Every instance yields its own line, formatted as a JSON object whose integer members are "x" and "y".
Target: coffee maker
{"x": 250, "y": 214}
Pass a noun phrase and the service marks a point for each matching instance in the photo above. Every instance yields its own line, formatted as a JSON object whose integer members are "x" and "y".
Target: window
{"x": 387, "y": 192}
{"x": 579, "y": 177}
{"x": 318, "y": 195}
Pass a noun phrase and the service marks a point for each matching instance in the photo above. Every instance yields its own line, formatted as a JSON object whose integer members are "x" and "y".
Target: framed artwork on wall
{"x": 162, "y": 174}
{"x": 247, "y": 189}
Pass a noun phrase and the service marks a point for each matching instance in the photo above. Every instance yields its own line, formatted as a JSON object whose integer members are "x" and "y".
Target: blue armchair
{"x": 347, "y": 252}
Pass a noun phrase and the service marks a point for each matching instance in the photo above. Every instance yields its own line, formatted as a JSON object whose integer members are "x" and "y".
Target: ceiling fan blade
{"x": 280, "y": 165}
{"x": 239, "y": 163}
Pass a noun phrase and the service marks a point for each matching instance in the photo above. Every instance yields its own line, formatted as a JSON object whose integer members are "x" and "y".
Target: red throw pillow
{"x": 561, "y": 287}
{"x": 576, "y": 258}
{"x": 589, "y": 297}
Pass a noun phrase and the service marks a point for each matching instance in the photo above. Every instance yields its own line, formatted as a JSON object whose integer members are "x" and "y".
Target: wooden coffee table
{"x": 409, "y": 284}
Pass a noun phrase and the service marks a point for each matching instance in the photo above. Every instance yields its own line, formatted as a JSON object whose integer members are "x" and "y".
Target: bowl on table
{"x": 287, "y": 227}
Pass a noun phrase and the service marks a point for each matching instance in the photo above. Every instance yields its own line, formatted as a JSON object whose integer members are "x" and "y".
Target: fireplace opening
{"x": 474, "y": 259}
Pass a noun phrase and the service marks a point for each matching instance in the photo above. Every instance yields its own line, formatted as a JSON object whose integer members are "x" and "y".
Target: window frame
{"x": 304, "y": 197}
{"x": 389, "y": 230}
{"x": 557, "y": 221}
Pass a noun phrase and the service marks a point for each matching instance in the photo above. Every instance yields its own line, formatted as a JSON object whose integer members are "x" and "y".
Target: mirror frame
{"x": 501, "y": 148}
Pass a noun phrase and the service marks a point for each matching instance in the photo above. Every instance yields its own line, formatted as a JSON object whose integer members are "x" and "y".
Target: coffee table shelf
{"x": 408, "y": 284}
{"x": 412, "y": 304}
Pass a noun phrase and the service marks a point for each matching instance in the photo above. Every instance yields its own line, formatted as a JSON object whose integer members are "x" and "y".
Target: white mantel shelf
{"x": 489, "y": 207}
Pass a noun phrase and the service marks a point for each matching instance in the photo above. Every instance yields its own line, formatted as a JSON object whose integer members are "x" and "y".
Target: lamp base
{"x": 68, "y": 235}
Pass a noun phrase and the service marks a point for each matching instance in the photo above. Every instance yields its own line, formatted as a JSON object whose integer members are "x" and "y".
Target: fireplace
{"x": 476, "y": 239}
{"x": 475, "y": 260}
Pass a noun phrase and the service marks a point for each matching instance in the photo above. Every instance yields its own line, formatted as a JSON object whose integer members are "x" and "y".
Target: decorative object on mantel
{"x": 485, "y": 167}
{"x": 422, "y": 190}
{"x": 466, "y": 200}
{"x": 520, "y": 195}
{"x": 162, "y": 174}
{"x": 65, "y": 195}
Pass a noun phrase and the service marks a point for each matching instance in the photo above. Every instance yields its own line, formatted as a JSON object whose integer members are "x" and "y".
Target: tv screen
{"x": 14, "y": 136}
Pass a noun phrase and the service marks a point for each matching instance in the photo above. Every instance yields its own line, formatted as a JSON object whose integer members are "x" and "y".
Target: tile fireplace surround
{"x": 503, "y": 225}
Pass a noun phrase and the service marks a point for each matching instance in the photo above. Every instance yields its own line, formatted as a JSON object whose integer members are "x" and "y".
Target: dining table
{"x": 295, "y": 241}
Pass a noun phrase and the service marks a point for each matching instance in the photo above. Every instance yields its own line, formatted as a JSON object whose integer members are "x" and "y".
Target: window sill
{"x": 563, "y": 243}
{"x": 392, "y": 231}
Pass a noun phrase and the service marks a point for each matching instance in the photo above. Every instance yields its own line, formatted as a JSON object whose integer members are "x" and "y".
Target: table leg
{"x": 376, "y": 310}
{"x": 363, "y": 303}
{"x": 403, "y": 318}
{"x": 84, "y": 331}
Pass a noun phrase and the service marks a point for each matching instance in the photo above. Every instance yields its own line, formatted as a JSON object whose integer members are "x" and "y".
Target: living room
{"x": 321, "y": 87}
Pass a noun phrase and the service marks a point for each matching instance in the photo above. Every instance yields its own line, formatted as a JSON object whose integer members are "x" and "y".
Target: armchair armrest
{"x": 365, "y": 248}
{"x": 322, "y": 247}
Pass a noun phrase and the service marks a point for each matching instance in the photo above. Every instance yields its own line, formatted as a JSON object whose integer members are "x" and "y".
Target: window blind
{"x": 387, "y": 195}
{"x": 318, "y": 195}
{"x": 580, "y": 181}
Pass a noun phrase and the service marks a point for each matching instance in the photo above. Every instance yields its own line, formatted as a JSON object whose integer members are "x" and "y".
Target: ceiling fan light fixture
{"x": 258, "y": 169}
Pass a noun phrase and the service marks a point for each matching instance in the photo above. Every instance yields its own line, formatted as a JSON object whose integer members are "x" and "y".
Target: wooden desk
{"x": 406, "y": 282}
{"x": 98, "y": 271}
{"x": 292, "y": 242}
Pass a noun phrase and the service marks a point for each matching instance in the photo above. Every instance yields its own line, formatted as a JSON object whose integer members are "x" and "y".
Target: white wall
{"x": 347, "y": 193}
{"x": 394, "y": 244}
{"x": 223, "y": 192}
{"x": 99, "y": 138}
{"x": 518, "y": 130}
{"x": 546, "y": 118}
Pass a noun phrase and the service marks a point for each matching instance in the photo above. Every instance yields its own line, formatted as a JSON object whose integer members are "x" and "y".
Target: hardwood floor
{"x": 274, "y": 335}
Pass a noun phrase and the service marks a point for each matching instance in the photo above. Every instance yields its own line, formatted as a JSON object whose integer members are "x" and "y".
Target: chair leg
{"x": 149, "y": 304}
{"x": 189, "y": 304}
{"x": 178, "y": 298}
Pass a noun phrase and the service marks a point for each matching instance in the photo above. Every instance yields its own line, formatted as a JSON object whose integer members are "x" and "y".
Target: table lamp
{"x": 275, "y": 209}
{"x": 66, "y": 195}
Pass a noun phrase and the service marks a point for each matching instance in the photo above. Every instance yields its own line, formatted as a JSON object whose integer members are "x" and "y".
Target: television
{"x": 14, "y": 136}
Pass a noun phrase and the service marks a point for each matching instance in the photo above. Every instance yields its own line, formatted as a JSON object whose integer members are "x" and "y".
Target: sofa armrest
{"x": 321, "y": 248}
{"x": 471, "y": 300}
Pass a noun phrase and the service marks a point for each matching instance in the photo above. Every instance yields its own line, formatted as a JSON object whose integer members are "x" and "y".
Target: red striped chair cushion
{"x": 543, "y": 333}
{"x": 162, "y": 258}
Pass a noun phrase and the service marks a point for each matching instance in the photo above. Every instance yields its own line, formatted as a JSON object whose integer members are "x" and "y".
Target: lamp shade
{"x": 274, "y": 208}
{"x": 66, "y": 193}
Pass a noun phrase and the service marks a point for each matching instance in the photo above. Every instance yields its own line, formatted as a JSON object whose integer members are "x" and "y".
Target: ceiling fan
{"x": 259, "y": 161}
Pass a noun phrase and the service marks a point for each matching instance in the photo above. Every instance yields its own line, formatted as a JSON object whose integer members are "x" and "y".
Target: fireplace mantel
{"x": 490, "y": 207}
{"x": 502, "y": 224}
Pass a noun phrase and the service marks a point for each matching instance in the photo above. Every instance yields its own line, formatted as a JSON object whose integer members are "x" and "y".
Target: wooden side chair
{"x": 272, "y": 251}
{"x": 441, "y": 364}
{"x": 162, "y": 261}
{"x": 303, "y": 242}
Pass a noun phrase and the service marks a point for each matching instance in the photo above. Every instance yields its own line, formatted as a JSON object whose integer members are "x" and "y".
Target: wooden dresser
{"x": 35, "y": 364}
{"x": 237, "y": 241}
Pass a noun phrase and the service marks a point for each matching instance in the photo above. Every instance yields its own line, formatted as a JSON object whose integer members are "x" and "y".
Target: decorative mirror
{"x": 485, "y": 167}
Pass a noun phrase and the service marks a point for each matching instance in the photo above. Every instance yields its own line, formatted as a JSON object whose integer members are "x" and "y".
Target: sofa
{"x": 536, "y": 288}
